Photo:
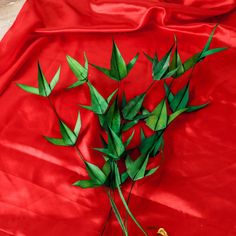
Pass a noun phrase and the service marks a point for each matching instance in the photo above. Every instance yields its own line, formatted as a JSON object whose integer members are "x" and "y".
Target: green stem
{"x": 117, "y": 214}
{"x": 106, "y": 221}
{"x": 128, "y": 201}
{"x": 117, "y": 179}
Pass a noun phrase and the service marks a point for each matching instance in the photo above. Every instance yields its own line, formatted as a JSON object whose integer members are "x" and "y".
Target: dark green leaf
{"x": 127, "y": 142}
{"x": 195, "y": 108}
{"x": 44, "y": 88}
{"x": 132, "y": 108}
{"x": 132, "y": 63}
{"x": 174, "y": 115}
{"x": 111, "y": 96}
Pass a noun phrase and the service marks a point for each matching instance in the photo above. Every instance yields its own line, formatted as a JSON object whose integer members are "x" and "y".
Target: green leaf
{"x": 106, "y": 168}
{"x": 76, "y": 84}
{"x": 119, "y": 69}
{"x": 79, "y": 71}
{"x": 148, "y": 143}
{"x": 95, "y": 173}
{"x": 169, "y": 94}
{"x": 176, "y": 63}
{"x": 129, "y": 125}
{"x": 85, "y": 184}
{"x": 181, "y": 99}
{"x": 132, "y": 63}
{"x": 151, "y": 171}
{"x": 117, "y": 178}
{"x": 211, "y": 52}
{"x": 99, "y": 104}
{"x": 115, "y": 144}
{"x": 56, "y": 141}
{"x": 195, "y": 108}
{"x": 29, "y": 89}
{"x": 142, "y": 135}
{"x": 111, "y": 96}
{"x": 133, "y": 107}
{"x": 149, "y": 57}
{"x": 44, "y": 88}
{"x": 127, "y": 142}
{"x": 118, "y": 66}
{"x": 113, "y": 118}
{"x": 174, "y": 115}
{"x": 158, "y": 118}
{"x": 107, "y": 152}
{"x": 117, "y": 214}
{"x": 55, "y": 79}
{"x": 68, "y": 135}
{"x": 159, "y": 68}
{"x": 124, "y": 101}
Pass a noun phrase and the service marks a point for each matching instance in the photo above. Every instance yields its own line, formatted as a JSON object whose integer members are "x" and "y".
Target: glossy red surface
{"x": 192, "y": 194}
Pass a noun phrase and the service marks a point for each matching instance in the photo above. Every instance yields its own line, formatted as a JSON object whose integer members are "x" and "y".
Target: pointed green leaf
{"x": 85, "y": 184}
{"x": 158, "y": 118}
{"x": 151, "y": 171}
{"x": 76, "y": 84}
{"x": 169, "y": 94}
{"x": 103, "y": 70}
{"x": 115, "y": 144}
{"x": 127, "y": 142}
{"x": 55, "y": 79}
{"x": 174, "y": 115}
{"x": 29, "y": 89}
{"x": 129, "y": 125}
{"x": 211, "y": 52}
{"x": 79, "y": 71}
{"x": 106, "y": 168}
{"x": 68, "y": 135}
{"x": 111, "y": 96}
{"x": 56, "y": 141}
{"x": 99, "y": 104}
{"x": 133, "y": 107}
{"x": 181, "y": 99}
{"x": 107, "y": 152}
{"x": 113, "y": 118}
{"x": 132, "y": 63}
{"x": 195, "y": 108}
{"x": 95, "y": 173}
{"x": 159, "y": 68}
{"x": 118, "y": 66}
{"x": 44, "y": 88}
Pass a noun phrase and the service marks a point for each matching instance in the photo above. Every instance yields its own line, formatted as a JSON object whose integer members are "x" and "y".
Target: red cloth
{"x": 194, "y": 192}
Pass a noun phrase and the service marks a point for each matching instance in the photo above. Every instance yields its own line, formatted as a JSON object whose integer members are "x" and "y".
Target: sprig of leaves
{"x": 44, "y": 88}
{"x": 118, "y": 68}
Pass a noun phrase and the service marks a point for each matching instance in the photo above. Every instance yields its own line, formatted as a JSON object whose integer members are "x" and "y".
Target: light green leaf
{"x": 99, "y": 104}
{"x": 55, "y": 79}
{"x": 133, "y": 107}
{"x": 95, "y": 173}
{"x": 76, "y": 84}
{"x": 151, "y": 171}
{"x": 174, "y": 115}
{"x": 85, "y": 184}
{"x": 79, "y": 71}
{"x": 158, "y": 118}
{"x": 68, "y": 135}
{"x": 29, "y": 89}
{"x": 111, "y": 96}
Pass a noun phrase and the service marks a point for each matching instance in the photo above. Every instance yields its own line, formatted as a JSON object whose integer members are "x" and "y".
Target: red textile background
{"x": 194, "y": 192}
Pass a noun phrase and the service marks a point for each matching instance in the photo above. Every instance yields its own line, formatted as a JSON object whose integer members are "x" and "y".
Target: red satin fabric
{"x": 192, "y": 194}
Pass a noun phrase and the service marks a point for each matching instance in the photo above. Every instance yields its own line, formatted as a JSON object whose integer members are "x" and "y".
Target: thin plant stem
{"x": 128, "y": 201}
